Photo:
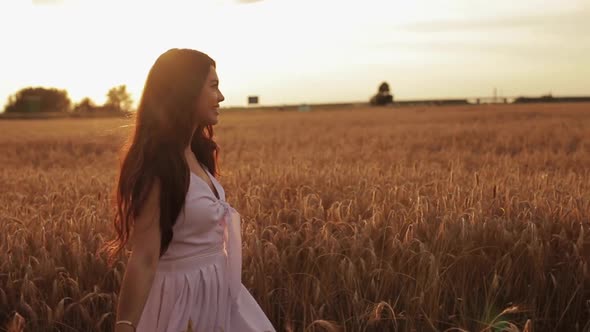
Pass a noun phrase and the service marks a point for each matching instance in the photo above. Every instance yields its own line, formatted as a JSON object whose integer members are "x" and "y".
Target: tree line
{"x": 119, "y": 101}
{"x": 41, "y": 99}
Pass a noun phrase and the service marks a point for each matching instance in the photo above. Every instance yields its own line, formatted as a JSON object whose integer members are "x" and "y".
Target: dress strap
{"x": 204, "y": 166}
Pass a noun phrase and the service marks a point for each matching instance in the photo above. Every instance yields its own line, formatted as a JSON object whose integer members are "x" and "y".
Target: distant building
{"x": 252, "y": 100}
{"x": 304, "y": 108}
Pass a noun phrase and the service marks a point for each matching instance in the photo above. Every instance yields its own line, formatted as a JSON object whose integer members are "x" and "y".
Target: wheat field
{"x": 462, "y": 218}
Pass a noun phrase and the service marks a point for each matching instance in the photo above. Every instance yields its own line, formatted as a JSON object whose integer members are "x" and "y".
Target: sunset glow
{"x": 284, "y": 51}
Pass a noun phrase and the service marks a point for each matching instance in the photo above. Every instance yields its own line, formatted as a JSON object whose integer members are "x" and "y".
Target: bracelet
{"x": 126, "y": 322}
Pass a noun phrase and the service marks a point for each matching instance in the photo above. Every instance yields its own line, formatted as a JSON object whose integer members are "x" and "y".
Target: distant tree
{"x": 544, "y": 98}
{"x": 384, "y": 88}
{"x": 119, "y": 99}
{"x": 85, "y": 105}
{"x": 38, "y": 99}
{"x": 383, "y": 95}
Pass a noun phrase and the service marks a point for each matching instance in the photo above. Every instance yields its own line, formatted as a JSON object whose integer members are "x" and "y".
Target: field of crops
{"x": 410, "y": 219}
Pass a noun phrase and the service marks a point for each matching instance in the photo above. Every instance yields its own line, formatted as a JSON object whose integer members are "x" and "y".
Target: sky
{"x": 303, "y": 51}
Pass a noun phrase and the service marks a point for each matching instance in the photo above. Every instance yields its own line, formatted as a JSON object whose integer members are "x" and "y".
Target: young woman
{"x": 184, "y": 237}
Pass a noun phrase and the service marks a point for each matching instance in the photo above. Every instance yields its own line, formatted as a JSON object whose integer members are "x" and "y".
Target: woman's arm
{"x": 144, "y": 241}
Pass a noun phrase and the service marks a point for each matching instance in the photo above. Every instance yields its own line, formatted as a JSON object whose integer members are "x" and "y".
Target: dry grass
{"x": 417, "y": 219}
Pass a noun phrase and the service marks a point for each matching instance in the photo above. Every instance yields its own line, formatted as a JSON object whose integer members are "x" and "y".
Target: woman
{"x": 185, "y": 262}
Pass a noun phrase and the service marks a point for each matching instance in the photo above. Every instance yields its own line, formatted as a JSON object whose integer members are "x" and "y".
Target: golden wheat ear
{"x": 17, "y": 324}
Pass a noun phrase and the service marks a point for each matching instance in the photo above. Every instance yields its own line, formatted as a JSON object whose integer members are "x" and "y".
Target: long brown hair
{"x": 163, "y": 126}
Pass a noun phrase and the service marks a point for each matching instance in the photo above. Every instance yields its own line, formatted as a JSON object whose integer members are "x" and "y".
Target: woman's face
{"x": 208, "y": 104}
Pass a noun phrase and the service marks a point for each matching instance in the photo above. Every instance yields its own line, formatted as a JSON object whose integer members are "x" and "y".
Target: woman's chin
{"x": 213, "y": 119}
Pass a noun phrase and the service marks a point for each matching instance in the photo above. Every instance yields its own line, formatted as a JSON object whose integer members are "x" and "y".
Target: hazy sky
{"x": 303, "y": 51}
